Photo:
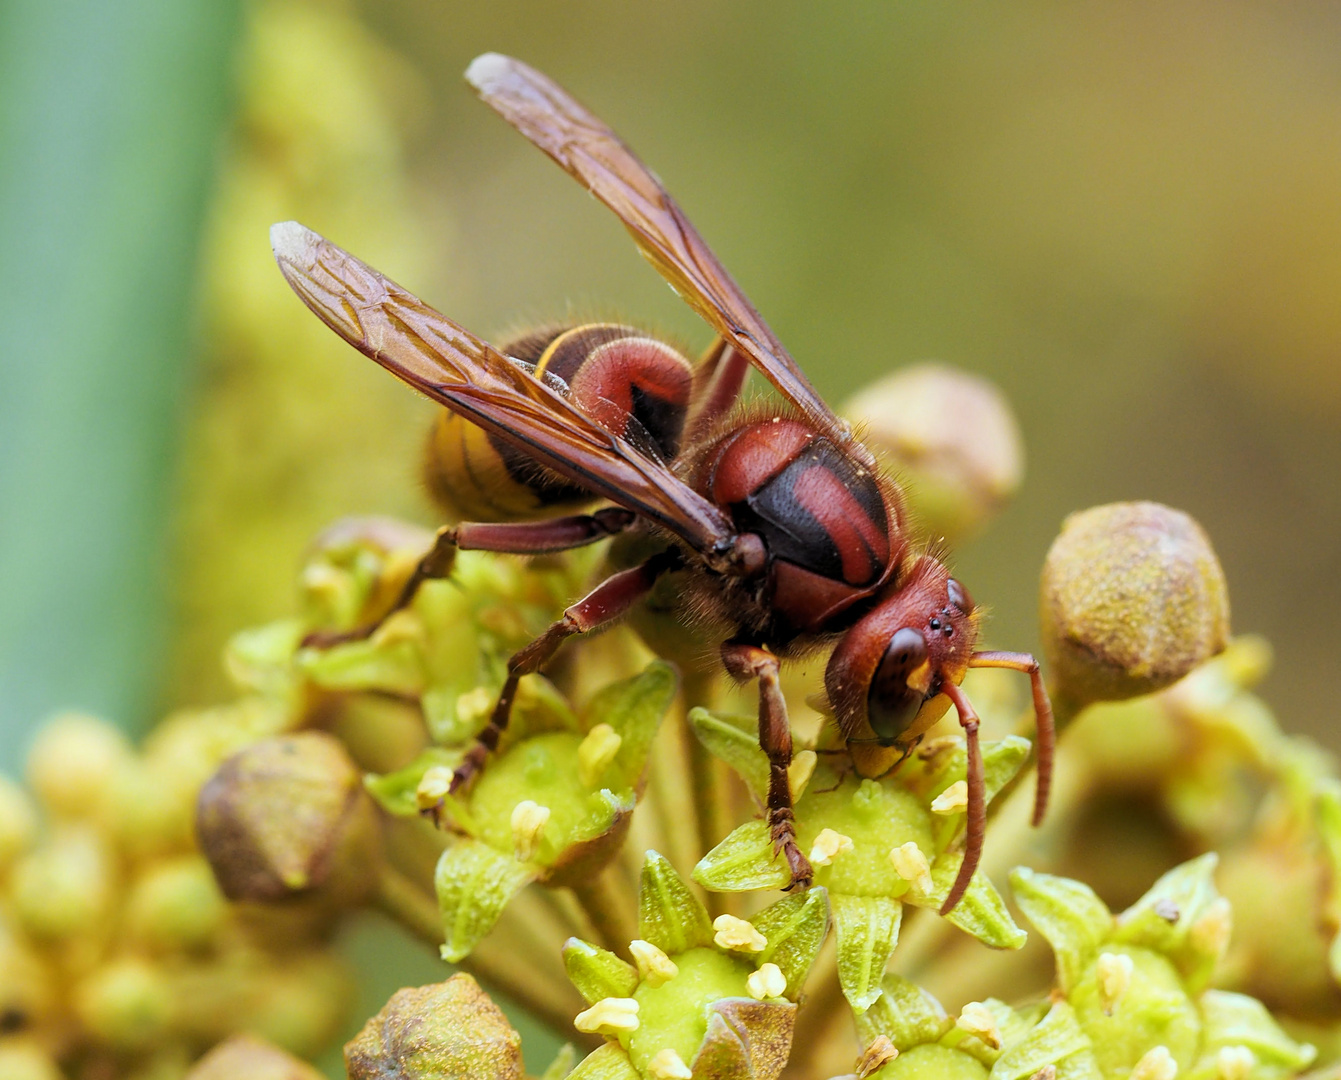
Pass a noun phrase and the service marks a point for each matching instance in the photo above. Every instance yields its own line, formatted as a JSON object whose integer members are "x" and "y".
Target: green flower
{"x": 875, "y": 844}
{"x": 715, "y": 999}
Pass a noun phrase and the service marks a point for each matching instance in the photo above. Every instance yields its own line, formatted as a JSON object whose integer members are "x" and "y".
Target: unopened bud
{"x": 595, "y": 753}
{"x": 978, "y": 1020}
{"x": 828, "y": 846}
{"x": 1155, "y": 1064}
{"x": 767, "y": 982}
{"x": 66, "y": 887}
{"x": 289, "y": 815}
{"x": 1113, "y": 973}
{"x": 879, "y": 1053}
{"x": 72, "y": 762}
{"x": 911, "y": 865}
{"x": 668, "y": 1065}
{"x": 175, "y": 905}
{"x": 253, "y": 1058}
{"x": 607, "y": 1016}
{"x": 1234, "y": 1063}
{"x": 953, "y": 437}
{"x": 18, "y": 822}
{"x": 529, "y": 819}
{"x": 654, "y": 967}
{"x": 800, "y": 771}
{"x": 1133, "y": 598}
{"x": 739, "y": 934}
{"x": 953, "y": 800}
{"x": 127, "y": 1004}
{"x": 24, "y": 1059}
{"x": 431, "y": 1032}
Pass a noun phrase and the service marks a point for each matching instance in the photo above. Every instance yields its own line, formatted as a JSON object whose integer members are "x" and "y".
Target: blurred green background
{"x": 1128, "y": 216}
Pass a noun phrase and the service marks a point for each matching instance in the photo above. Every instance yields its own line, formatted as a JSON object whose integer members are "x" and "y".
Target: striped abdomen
{"x": 631, "y": 384}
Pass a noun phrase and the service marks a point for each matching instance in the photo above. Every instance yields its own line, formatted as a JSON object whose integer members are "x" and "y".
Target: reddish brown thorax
{"x": 832, "y": 530}
{"x": 885, "y": 677}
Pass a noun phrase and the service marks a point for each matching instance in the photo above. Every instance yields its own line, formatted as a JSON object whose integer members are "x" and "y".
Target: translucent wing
{"x": 458, "y": 370}
{"x": 592, "y": 153}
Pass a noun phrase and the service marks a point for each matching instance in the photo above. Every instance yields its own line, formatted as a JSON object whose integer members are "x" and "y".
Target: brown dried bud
{"x": 952, "y": 439}
{"x": 1133, "y": 598}
{"x": 252, "y": 1058}
{"x": 288, "y": 817}
{"x": 437, "y": 1032}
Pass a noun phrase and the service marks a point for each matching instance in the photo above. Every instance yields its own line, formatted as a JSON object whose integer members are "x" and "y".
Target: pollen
{"x": 738, "y": 934}
{"x": 528, "y": 826}
{"x": 911, "y": 865}
{"x": 800, "y": 771}
{"x": 952, "y": 800}
{"x": 1114, "y": 975}
{"x": 1210, "y": 932}
{"x": 654, "y": 966}
{"x": 1234, "y": 1063}
{"x": 608, "y": 1016}
{"x": 828, "y": 845}
{"x": 668, "y": 1065}
{"x": 977, "y": 1019}
{"x": 767, "y": 982}
{"x": 1155, "y": 1064}
{"x": 434, "y": 786}
{"x": 596, "y": 752}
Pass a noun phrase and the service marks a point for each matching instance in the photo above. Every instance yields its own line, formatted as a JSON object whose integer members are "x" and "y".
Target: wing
{"x": 585, "y": 147}
{"x": 468, "y": 376}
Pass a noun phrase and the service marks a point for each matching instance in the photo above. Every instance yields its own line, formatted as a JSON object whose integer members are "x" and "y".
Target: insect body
{"x": 783, "y": 530}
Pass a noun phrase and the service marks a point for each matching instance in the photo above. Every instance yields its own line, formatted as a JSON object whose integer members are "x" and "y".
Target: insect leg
{"x": 1047, "y": 736}
{"x": 775, "y": 739}
{"x": 516, "y": 538}
{"x": 977, "y": 797}
{"x": 724, "y": 379}
{"x": 605, "y": 603}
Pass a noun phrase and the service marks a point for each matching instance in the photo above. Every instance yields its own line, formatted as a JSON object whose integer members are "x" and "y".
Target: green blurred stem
{"x": 510, "y": 972}
{"x": 712, "y": 811}
{"x": 608, "y": 911}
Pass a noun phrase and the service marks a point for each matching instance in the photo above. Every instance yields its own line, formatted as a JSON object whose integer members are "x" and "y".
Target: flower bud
{"x": 1133, "y": 598}
{"x": 18, "y": 822}
{"x": 952, "y": 439}
{"x": 66, "y": 887}
{"x": 287, "y": 816}
{"x": 128, "y": 1004}
{"x": 23, "y": 1059}
{"x": 176, "y": 905}
{"x": 246, "y": 1055}
{"x": 71, "y": 761}
{"x": 437, "y": 1032}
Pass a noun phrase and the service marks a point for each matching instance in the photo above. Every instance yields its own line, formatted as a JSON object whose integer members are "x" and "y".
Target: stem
{"x": 607, "y": 912}
{"x": 712, "y": 811}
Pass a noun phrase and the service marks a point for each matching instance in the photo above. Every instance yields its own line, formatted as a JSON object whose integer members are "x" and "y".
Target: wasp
{"x": 783, "y": 530}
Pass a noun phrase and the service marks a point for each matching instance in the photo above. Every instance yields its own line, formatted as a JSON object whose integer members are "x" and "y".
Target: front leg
{"x": 775, "y": 739}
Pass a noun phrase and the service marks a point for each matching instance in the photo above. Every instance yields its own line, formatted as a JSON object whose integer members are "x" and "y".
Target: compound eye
{"x": 891, "y": 704}
{"x": 958, "y": 595}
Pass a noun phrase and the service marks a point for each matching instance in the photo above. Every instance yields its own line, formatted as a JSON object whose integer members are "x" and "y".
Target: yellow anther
{"x": 608, "y": 1016}
{"x": 829, "y": 844}
{"x": 433, "y": 787}
{"x": 1155, "y": 1064}
{"x": 474, "y": 705}
{"x": 1210, "y": 933}
{"x": 668, "y": 1065}
{"x": 1113, "y": 972}
{"x": 911, "y": 865}
{"x": 800, "y": 771}
{"x": 953, "y": 800}
{"x": 528, "y": 826}
{"x": 767, "y": 982}
{"x": 733, "y": 933}
{"x": 654, "y": 966}
{"x": 977, "y": 1019}
{"x": 1234, "y": 1063}
{"x": 596, "y": 751}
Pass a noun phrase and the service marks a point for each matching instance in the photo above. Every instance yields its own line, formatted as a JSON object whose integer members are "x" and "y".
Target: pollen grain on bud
{"x": 800, "y": 771}
{"x": 529, "y": 819}
{"x": 668, "y": 1065}
{"x": 1234, "y": 1063}
{"x": 767, "y": 982}
{"x": 595, "y": 753}
{"x": 737, "y": 934}
{"x": 911, "y": 865}
{"x": 1113, "y": 971}
{"x": 828, "y": 846}
{"x": 953, "y": 800}
{"x": 1155, "y": 1064}
{"x": 977, "y": 1019}
{"x": 654, "y": 967}
{"x": 607, "y": 1016}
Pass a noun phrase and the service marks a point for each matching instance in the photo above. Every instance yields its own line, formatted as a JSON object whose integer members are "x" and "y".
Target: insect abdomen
{"x": 632, "y": 385}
